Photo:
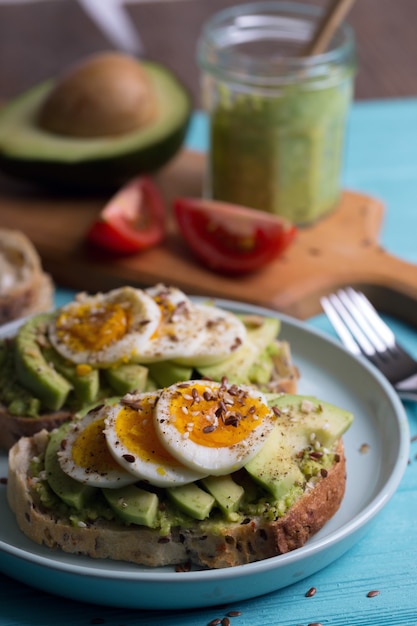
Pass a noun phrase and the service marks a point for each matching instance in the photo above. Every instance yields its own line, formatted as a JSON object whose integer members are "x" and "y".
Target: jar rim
{"x": 217, "y": 45}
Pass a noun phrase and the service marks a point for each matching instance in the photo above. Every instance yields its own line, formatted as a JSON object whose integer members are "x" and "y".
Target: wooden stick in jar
{"x": 330, "y": 22}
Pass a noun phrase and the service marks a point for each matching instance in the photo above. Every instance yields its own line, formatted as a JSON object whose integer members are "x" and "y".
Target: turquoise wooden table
{"x": 381, "y": 161}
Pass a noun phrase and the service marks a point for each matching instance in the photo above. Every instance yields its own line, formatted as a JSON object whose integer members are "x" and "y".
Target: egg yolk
{"x": 93, "y": 327}
{"x": 135, "y": 431}
{"x": 216, "y": 418}
{"x": 90, "y": 450}
{"x": 168, "y": 310}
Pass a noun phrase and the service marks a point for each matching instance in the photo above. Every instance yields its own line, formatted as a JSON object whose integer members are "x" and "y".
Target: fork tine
{"x": 336, "y": 317}
{"x": 347, "y": 318}
{"x": 362, "y": 331}
{"x": 364, "y": 318}
{"x": 373, "y": 317}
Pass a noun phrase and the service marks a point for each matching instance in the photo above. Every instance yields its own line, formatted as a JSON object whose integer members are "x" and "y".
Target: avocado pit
{"x": 107, "y": 94}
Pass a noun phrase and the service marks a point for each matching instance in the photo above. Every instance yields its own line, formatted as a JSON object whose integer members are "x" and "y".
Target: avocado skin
{"x": 106, "y": 174}
{"x": 99, "y": 173}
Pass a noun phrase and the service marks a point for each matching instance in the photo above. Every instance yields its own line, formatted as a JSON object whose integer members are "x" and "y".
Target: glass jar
{"x": 277, "y": 119}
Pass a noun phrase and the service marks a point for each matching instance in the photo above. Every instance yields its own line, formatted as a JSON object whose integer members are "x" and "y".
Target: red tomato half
{"x": 133, "y": 219}
{"x": 229, "y": 238}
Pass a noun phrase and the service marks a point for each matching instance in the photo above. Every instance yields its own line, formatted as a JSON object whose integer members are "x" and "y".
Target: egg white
{"x": 180, "y": 330}
{"x": 133, "y": 442}
{"x": 189, "y": 333}
{"x": 213, "y": 427}
{"x": 222, "y": 334}
{"x": 104, "y": 329}
{"x": 86, "y": 458}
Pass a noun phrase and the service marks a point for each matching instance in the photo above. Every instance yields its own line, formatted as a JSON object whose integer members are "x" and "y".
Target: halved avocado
{"x": 29, "y": 152}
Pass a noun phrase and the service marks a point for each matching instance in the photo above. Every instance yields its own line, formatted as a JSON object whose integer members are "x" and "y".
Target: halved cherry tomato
{"x": 132, "y": 220}
{"x": 230, "y": 238}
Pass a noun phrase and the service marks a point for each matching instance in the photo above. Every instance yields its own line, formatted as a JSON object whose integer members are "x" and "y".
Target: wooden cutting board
{"x": 339, "y": 250}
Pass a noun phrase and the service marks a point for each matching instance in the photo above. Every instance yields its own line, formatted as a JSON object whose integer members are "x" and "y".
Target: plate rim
{"x": 358, "y": 521}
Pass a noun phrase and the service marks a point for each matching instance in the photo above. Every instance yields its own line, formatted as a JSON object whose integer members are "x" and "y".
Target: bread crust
{"x": 25, "y": 289}
{"x": 13, "y": 427}
{"x": 232, "y": 544}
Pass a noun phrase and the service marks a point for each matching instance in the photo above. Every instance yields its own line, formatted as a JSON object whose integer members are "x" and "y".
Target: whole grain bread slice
{"x": 229, "y": 545}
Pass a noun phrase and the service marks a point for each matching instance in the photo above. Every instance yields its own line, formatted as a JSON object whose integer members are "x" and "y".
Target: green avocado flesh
{"x": 29, "y": 152}
{"x": 295, "y": 456}
{"x": 35, "y": 379}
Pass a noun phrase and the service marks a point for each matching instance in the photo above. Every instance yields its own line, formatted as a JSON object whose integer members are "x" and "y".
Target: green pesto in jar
{"x": 277, "y": 120}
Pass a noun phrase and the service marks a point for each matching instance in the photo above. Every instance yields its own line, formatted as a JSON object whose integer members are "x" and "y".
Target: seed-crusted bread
{"x": 227, "y": 545}
{"x": 25, "y": 288}
{"x": 13, "y": 427}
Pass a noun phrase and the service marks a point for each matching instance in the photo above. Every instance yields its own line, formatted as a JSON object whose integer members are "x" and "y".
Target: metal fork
{"x": 363, "y": 332}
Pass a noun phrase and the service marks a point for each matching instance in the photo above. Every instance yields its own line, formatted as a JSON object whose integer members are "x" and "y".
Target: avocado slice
{"x": 226, "y": 492}
{"x": 133, "y": 505}
{"x": 192, "y": 500}
{"x": 31, "y": 153}
{"x": 166, "y": 373}
{"x": 301, "y": 418}
{"x": 127, "y": 377}
{"x": 86, "y": 386}
{"x": 33, "y": 371}
{"x": 72, "y": 492}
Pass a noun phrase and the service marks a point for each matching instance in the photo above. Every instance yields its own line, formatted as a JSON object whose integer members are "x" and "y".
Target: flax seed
{"x": 185, "y": 567}
{"x": 215, "y": 622}
{"x": 317, "y": 454}
{"x": 225, "y": 621}
{"x": 234, "y": 613}
{"x": 311, "y": 592}
{"x": 372, "y": 594}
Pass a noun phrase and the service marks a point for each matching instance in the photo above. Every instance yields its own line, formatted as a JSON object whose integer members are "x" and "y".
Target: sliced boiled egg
{"x": 180, "y": 329}
{"x": 133, "y": 442}
{"x": 103, "y": 329}
{"x": 86, "y": 457}
{"x": 223, "y": 334}
{"x": 191, "y": 334}
{"x": 213, "y": 427}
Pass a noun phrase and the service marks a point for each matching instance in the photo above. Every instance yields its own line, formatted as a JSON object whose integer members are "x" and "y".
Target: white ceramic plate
{"x": 328, "y": 372}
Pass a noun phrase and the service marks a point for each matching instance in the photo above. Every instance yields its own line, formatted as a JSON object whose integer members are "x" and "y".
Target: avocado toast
{"x": 268, "y": 498}
{"x": 59, "y": 364}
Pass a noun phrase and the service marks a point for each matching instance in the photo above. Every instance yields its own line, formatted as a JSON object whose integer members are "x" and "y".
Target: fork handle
{"x": 407, "y": 389}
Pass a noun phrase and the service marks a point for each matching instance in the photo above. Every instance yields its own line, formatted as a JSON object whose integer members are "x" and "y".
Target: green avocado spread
{"x": 280, "y": 152}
